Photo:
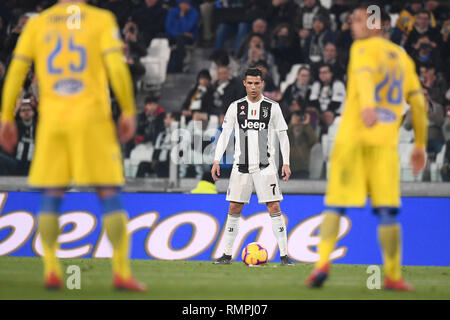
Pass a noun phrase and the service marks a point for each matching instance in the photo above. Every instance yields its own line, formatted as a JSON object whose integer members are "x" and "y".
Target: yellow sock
{"x": 49, "y": 229}
{"x": 115, "y": 224}
{"x": 328, "y": 233}
{"x": 389, "y": 238}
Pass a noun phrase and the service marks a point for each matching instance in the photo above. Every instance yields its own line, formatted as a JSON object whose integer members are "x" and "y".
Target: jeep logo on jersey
{"x": 250, "y": 124}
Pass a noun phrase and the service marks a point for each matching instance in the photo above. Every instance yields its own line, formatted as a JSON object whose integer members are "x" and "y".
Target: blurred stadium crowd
{"x": 302, "y": 47}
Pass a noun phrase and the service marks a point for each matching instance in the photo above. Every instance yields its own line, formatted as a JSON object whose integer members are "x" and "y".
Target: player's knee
{"x": 273, "y": 207}
{"x": 235, "y": 208}
{"x": 112, "y": 203}
{"x": 107, "y": 192}
{"x": 51, "y": 201}
{"x": 387, "y": 215}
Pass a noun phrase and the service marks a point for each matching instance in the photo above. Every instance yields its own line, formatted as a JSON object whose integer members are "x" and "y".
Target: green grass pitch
{"x": 21, "y": 278}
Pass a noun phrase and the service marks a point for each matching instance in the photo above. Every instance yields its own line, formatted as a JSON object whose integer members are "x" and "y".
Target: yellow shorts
{"x": 82, "y": 154}
{"x": 359, "y": 171}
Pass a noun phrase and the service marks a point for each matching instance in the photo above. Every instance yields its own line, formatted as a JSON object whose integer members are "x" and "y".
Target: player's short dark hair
{"x": 253, "y": 72}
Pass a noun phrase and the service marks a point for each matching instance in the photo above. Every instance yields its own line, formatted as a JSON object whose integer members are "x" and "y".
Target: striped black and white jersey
{"x": 255, "y": 125}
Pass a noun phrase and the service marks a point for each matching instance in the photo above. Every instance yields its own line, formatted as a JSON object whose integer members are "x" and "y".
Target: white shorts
{"x": 265, "y": 181}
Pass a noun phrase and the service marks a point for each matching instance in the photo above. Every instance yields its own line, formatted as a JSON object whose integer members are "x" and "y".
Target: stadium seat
{"x": 405, "y": 136}
{"x": 436, "y": 166}
{"x": 155, "y": 63}
{"x": 142, "y": 152}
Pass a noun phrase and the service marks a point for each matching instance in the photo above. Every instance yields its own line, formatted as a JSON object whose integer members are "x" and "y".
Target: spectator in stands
{"x": 271, "y": 89}
{"x": 438, "y": 10}
{"x": 330, "y": 57}
{"x": 259, "y": 26}
{"x": 181, "y": 27}
{"x": 150, "y": 16}
{"x": 207, "y": 23}
{"x": 327, "y": 96}
{"x": 235, "y": 17}
{"x": 122, "y": 9}
{"x": 319, "y": 36}
{"x": 422, "y": 27}
{"x": 339, "y": 10}
{"x": 445, "y": 171}
{"x": 3, "y": 36}
{"x": 301, "y": 138}
{"x": 407, "y": 16}
{"x": 196, "y": 127}
{"x": 344, "y": 40}
{"x": 446, "y": 49}
{"x": 150, "y": 122}
{"x": 281, "y": 11}
{"x": 206, "y": 185}
{"x": 257, "y": 52}
{"x": 226, "y": 90}
{"x": 306, "y": 13}
{"x": 435, "y": 83}
{"x": 11, "y": 39}
{"x": 26, "y": 120}
{"x": 137, "y": 69}
{"x": 200, "y": 97}
{"x": 285, "y": 48}
{"x": 223, "y": 58}
{"x": 299, "y": 91}
{"x": 160, "y": 163}
{"x": 132, "y": 39}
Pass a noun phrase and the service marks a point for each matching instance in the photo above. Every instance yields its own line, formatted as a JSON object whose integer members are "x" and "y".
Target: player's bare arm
{"x": 126, "y": 128}
{"x": 418, "y": 157}
{"x": 8, "y": 136}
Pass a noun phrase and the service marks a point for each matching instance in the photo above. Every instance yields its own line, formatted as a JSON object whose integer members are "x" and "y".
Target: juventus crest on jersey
{"x": 255, "y": 124}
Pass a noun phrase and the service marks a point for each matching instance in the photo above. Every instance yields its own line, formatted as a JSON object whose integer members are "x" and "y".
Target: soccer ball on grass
{"x": 254, "y": 254}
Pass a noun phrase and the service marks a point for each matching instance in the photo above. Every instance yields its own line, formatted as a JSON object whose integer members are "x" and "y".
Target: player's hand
{"x": 127, "y": 128}
{"x": 285, "y": 172}
{"x": 369, "y": 117}
{"x": 8, "y": 136}
{"x": 418, "y": 159}
{"x": 215, "y": 170}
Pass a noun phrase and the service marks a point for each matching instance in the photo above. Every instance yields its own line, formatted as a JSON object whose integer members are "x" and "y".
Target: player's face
{"x": 359, "y": 24}
{"x": 253, "y": 86}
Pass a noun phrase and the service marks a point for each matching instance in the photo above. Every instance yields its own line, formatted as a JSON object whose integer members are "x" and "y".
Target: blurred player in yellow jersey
{"x": 75, "y": 49}
{"x": 364, "y": 159}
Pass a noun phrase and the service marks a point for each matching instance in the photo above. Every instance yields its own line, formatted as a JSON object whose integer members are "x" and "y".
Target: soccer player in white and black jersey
{"x": 255, "y": 120}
